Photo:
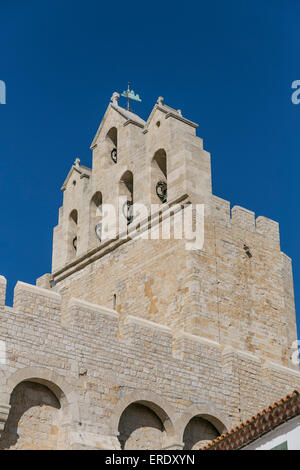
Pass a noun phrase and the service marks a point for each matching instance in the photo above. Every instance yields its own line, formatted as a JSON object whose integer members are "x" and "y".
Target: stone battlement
{"x": 102, "y": 323}
{"x": 245, "y": 219}
{"x": 85, "y": 344}
{"x": 89, "y": 348}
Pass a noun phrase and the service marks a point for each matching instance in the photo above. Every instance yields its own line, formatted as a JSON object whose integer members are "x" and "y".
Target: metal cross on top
{"x": 129, "y": 94}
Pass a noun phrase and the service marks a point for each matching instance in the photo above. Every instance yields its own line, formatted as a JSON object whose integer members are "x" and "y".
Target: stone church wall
{"x": 97, "y": 371}
{"x": 133, "y": 343}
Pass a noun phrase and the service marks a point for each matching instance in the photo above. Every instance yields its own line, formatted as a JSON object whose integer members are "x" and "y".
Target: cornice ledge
{"x": 182, "y": 119}
{"x": 287, "y": 370}
{"x": 245, "y": 354}
{"x": 135, "y": 123}
{"x": 198, "y": 339}
{"x": 94, "y": 307}
{"x": 109, "y": 245}
{"x": 147, "y": 323}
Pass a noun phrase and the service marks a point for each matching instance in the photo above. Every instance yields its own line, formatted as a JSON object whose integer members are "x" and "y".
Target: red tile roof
{"x": 271, "y": 417}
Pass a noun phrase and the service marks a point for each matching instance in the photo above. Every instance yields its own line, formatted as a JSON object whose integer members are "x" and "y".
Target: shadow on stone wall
{"x": 198, "y": 433}
{"x": 33, "y": 421}
{"x": 140, "y": 428}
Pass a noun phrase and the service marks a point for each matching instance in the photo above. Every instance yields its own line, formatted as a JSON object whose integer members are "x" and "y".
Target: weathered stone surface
{"x": 142, "y": 343}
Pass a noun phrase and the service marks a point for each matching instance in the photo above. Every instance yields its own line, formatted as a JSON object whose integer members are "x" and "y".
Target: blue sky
{"x": 228, "y": 65}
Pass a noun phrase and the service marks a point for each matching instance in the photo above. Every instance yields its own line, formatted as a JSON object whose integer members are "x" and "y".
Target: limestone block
{"x": 243, "y": 218}
{"x": 267, "y": 227}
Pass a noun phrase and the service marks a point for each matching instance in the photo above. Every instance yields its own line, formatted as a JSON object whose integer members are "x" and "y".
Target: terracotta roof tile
{"x": 264, "y": 421}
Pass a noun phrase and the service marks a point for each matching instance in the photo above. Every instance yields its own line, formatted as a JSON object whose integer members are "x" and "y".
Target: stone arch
{"x": 55, "y": 382}
{"x": 151, "y": 401}
{"x": 126, "y": 184}
{"x": 95, "y": 216}
{"x": 159, "y": 176}
{"x": 211, "y": 419}
{"x": 126, "y": 193}
{"x": 112, "y": 135}
{"x": 72, "y": 233}
{"x": 34, "y": 420}
{"x": 111, "y": 148}
{"x": 40, "y": 398}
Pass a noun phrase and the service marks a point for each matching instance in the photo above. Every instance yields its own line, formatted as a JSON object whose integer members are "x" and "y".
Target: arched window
{"x": 96, "y": 217}
{"x": 159, "y": 179}
{"x": 112, "y": 145}
{"x": 72, "y": 233}
{"x": 126, "y": 193}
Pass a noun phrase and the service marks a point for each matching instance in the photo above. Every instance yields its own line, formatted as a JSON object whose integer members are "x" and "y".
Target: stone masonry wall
{"x": 96, "y": 371}
{"x": 34, "y": 421}
{"x": 219, "y": 292}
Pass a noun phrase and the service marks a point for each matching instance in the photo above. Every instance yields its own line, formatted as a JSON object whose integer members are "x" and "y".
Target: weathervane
{"x": 129, "y": 94}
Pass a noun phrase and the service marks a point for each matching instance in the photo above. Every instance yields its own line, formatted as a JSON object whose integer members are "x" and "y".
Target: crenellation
{"x": 148, "y": 341}
{"x": 88, "y": 316}
{"x": 268, "y": 228}
{"x": 37, "y": 301}
{"x": 243, "y": 218}
{"x": 156, "y": 337}
{"x": 221, "y": 209}
{"x": 187, "y": 346}
{"x": 44, "y": 281}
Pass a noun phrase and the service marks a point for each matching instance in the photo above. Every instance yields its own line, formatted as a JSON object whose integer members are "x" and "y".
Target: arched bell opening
{"x": 111, "y": 144}
{"x": 126, "y": 196}
{"x": 95, "y": 231}
{"x": 159, "y": 180}
{"x": 73, "y": 234}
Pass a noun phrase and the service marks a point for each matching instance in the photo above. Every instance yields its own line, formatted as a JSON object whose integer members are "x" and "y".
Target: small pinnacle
{"x": 160, "y": 100}
{"x": 114, "y": 98}
{"x": 77, "y": 161}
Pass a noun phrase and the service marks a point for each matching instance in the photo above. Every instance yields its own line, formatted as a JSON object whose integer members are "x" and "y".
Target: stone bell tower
{"x": 145, "y": 339}
{"x": 237, "y": 290}
{"x": 130, "y": 156}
